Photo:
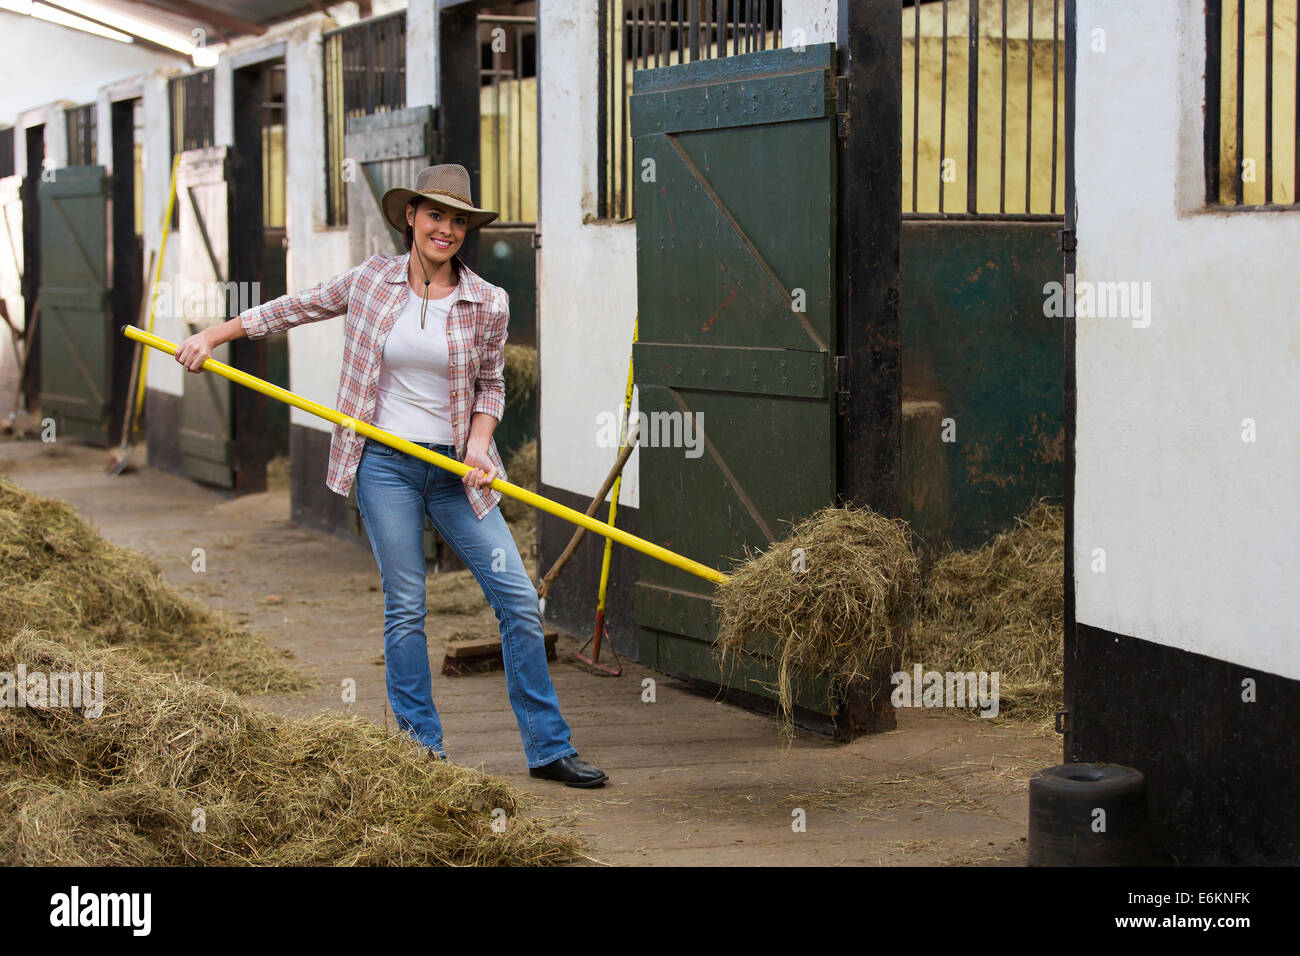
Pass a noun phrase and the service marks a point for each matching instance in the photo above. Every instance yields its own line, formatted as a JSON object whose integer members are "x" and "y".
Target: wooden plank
{"x": 784, "y": 97}
{"x": 758, "y": 371}
{"x": 483, "y": 655}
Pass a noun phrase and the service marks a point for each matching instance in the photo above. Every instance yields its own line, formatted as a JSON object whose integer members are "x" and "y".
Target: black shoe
{"x": 571, "y": 771}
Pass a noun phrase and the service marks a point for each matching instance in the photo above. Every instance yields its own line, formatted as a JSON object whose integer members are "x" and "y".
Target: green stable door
{"x": 76, "y": 357}
{"x": 734, "y": 364}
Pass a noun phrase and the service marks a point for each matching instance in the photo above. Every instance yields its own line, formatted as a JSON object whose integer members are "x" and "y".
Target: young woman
{"x": 423, "y": 356}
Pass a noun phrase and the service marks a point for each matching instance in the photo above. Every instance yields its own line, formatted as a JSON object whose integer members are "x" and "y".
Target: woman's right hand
{"x": 194, "y": 351}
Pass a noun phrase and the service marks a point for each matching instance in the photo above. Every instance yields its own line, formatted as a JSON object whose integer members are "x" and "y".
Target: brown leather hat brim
{"x": 393, "y": 207}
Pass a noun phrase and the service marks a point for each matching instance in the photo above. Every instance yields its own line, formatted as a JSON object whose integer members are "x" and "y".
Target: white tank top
{"x": 414, "y": 393}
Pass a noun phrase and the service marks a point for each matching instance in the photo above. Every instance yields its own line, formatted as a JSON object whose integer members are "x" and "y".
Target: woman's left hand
{"x": 482, "y": 472}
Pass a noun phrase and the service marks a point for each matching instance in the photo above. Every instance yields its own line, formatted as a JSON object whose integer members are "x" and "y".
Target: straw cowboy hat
{"x": 447, "y": 184}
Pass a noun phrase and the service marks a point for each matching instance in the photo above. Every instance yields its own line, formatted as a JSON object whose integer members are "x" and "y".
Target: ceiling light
{"x": 64, "y": 18}
{"x": 144, "y": 29}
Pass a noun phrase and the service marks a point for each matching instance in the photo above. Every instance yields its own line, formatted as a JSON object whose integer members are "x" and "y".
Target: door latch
{"x": 841, "y": 385}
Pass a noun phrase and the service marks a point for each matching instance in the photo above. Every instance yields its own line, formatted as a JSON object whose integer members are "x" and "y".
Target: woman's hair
{"x": 408, "y": 237}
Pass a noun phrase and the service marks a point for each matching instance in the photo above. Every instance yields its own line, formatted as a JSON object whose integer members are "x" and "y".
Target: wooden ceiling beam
{"x": 223, "y": 23}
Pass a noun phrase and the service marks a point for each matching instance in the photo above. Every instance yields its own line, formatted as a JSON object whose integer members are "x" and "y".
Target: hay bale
{"x": 520, "y": 373}
{"x": 123, "y": 788}
{"x": 836, "y": 607}
{"x": 1001, "y": 608}
{"x": 58, "y": 573}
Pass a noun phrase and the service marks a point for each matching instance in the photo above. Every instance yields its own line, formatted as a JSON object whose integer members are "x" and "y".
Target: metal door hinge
{"x": 1062, "y": 720}
{"x": 537, "y": 240}
{"x": 842, "y": 106}
{"x": 1066, "y": 240}
{"x": 841, "y": 385}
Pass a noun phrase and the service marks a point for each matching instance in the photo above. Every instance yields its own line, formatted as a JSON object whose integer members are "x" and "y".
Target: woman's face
{"x": 439, "y": 231}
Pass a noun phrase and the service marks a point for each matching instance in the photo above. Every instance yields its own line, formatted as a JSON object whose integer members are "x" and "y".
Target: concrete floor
{"x": 693, "y": 781}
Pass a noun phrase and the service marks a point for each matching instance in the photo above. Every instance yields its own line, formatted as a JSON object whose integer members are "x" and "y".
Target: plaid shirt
{"x": 372, "y": 295}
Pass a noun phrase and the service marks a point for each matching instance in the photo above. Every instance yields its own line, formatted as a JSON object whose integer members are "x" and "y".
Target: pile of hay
{"x": 835, "y": 596}
{"x": 179, "y": 772}
{"x": 520, "y": 373}
{"x": 1001, "y": 608}
{"x": 58, "y": 573}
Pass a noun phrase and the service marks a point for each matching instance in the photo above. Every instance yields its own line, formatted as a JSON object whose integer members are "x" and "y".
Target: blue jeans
{"x": 394, "y": 492}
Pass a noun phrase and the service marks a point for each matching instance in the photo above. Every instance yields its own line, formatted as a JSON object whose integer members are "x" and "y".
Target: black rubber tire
{"x": 1063, "y": 801}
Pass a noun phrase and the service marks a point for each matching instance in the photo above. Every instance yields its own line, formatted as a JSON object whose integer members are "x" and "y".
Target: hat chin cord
{"x": 424, "y": 302}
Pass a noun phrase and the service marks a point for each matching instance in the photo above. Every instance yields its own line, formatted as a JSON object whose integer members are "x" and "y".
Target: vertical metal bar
{"x": 916, "y": 93}
{"x": 1056, "y": 12}
{"x": 1002, "y": 152}
{"x": 366, "y": 68}
{"x": 664, "y": 40}
{"x": 519, "y": 108}
{"x": 694, "y": 10}
{"x": 670, "y": 28}
{"x": 638, "y": 54}
{"x": 1213, "y": 97}
{"x": 604, "y": 15}
{"x": 1268, "y": 102}
{"x": 502, "y": 190}
{"x": 625, "y": 87}
{"x": 972, "y": 106}
{"x": 664, "y": 33}
{"x": 943, "y": 104}
{"x": 1241, "y": 99}
{"x": 679, "y": 31}
{"x": 762, "y": 24}
{"x": 1029, "y": 110}
{"x": 656, "y": 29}
{"x": 329, "y": 133}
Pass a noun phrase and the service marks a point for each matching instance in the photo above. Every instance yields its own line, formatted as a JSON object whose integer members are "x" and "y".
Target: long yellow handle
{"x": 442, "y": 461}
{"x": 618, "y": 482}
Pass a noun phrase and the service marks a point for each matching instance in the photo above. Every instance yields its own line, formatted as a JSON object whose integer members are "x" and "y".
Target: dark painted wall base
{"x": 1222, "y": 781}
{"x": 162, "y": 426}
{"x": 572, "y": 601}
{"x": 311, "y": 504}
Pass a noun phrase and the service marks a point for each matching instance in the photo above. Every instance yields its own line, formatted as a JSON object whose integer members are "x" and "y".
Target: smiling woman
{"x": 424, "y": 355}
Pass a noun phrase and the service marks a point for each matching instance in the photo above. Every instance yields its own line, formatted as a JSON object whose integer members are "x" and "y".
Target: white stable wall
{"x": 1199, "y": 528}
{"x": 586, "y": 276}
{"x": 316, "y": 251}
{"x": 42, "y": 62}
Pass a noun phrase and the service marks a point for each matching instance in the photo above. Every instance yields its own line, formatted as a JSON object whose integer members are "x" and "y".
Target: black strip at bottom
{"x": 311, "y": 503}
{"x": 572, "y": 601}
{"x": 162, "y": 425}
{"x": 1219, "y": 744}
